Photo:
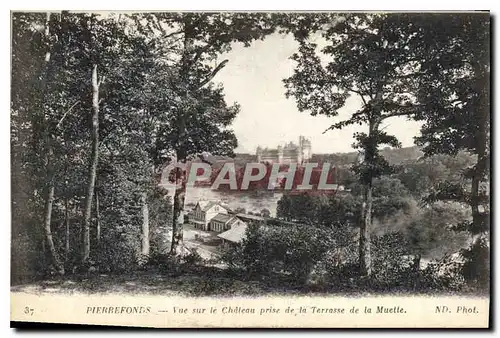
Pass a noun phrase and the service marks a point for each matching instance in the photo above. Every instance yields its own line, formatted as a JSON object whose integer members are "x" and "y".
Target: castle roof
{"x": 270, "y": 152}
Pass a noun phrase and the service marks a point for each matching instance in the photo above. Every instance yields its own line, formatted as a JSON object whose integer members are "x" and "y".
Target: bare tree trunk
{"x": 66, "y": 221}
{"x": 54, "y": 257}
{"x": 47, "y": 219}
{"x": 365, "y": 264}
{"x": 93, "y": 166}
{"x": 98, "y": 218}
{"x": 145, "y": 225}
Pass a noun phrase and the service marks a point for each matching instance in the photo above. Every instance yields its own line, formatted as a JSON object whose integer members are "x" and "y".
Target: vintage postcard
{"x": 251, "y": 169}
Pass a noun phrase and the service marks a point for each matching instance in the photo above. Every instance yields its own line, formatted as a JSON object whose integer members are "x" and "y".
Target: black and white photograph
{"x": 324, "y": 166}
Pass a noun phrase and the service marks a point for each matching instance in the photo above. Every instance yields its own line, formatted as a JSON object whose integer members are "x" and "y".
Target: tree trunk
{"x": 481, "y": 138}
{"x": 54, "y": 257}
{"x": 178, "y": 214}
{"x": 145, "y": 225}
{"x": 416, "y": 271}
{"x": 47, "y": 219}
{"x": 365, "y": 262}
{"x": 93, "y": 166}
{"x": 181, "y": 151}
{"x": 98, "y": 219}
{"x": 66, "y": 222}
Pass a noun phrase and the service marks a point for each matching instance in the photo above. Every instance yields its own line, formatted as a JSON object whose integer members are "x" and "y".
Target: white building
{"x": 204, "y": 212}
{"x": 223, "y": 222}
{"x": 233, "y": 236}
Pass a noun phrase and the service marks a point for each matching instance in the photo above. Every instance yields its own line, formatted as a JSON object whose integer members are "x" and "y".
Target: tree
{"x": 240, "y": 210}
{"x": 423, "y": 175}
{"x": 364, "y": 56}
{"x": 265, "y": 213}
{"x": 34, "y": 116}
{"x": 124, "y": 58}
{"x": 343, "y": 210}
{"x": 430, "y": 232}
{"x": 54, "y": 113}
{"x": 455, "y": 92}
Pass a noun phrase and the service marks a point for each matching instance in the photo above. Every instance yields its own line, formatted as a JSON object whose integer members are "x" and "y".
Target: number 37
{"x": 29, "y": 311}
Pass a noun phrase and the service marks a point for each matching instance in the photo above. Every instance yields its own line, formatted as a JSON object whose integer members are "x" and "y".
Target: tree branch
{"x": 360, "y": 94}
{"x": 403, "y": 113}
{"x": 200, "y": 51}
{"x": 101, "y": 81}
{"x": 165, "y": 35}
{"x": 212, "y": 75}
{"x": 395, "y": 114}
{"x": 67, "y": 112}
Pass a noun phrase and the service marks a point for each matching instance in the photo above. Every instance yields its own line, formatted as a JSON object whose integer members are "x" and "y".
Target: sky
{"x": 253, "y": 78}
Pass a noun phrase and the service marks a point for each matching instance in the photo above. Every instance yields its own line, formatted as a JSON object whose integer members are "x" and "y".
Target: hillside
{"x": 392, "y": 155}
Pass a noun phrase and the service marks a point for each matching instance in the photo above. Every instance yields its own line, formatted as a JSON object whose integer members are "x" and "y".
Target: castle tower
{"x": 280, "y": 154}
{"x": 305, "y": 152}
{"x": 258, "y": 152}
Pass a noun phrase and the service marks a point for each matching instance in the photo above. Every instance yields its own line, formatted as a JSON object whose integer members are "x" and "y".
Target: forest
{"x": 101, "y": 103}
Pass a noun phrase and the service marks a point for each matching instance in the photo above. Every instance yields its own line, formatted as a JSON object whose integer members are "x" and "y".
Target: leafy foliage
{"x": 140, "y": 61}
{"x": 455, "y": 92}
{"x": 292, "y": 250}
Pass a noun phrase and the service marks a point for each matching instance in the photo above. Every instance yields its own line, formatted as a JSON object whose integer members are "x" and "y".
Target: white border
{"x": 261, "y": 5}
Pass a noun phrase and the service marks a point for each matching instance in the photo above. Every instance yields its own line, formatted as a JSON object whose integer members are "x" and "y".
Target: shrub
{"x": 476, "y": 267}
{"x": 340, "y": 265}
{"x": 290, "y": 250}
{"x": 442, "y": 275}
{"x": 117, "y": 253}
{"x": 392, "y": 262}
{"x": 193, "y": 258}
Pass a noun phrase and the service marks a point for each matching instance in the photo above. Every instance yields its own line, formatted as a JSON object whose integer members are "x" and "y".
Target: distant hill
{"x": 392, "y": 155}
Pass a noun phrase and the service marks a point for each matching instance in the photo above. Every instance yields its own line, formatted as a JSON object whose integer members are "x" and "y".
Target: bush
{"x": 193, "y": 258}
{"x": 340, "y": 266}
{"x": 328, "y": 258}
{"x": 442, "y": 275}
{"x": 117, "y": 253}
{"x": 291, "y": 250}
{"x": 251, "y": 255}
{"x": 393, "y": 265}
{"x": 476, "y": 267}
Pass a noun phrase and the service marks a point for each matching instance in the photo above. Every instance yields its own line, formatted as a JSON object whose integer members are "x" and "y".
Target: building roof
{"x": 252, "y": 217}
{"x": 223, "y": 218}
{"x": 235, "y": 234}
{"x": 205, "y": 205}
{"x": 233, "y": 220}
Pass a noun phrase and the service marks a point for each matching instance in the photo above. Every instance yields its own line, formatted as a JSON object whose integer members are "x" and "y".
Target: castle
{"x": 289, "y": 153}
